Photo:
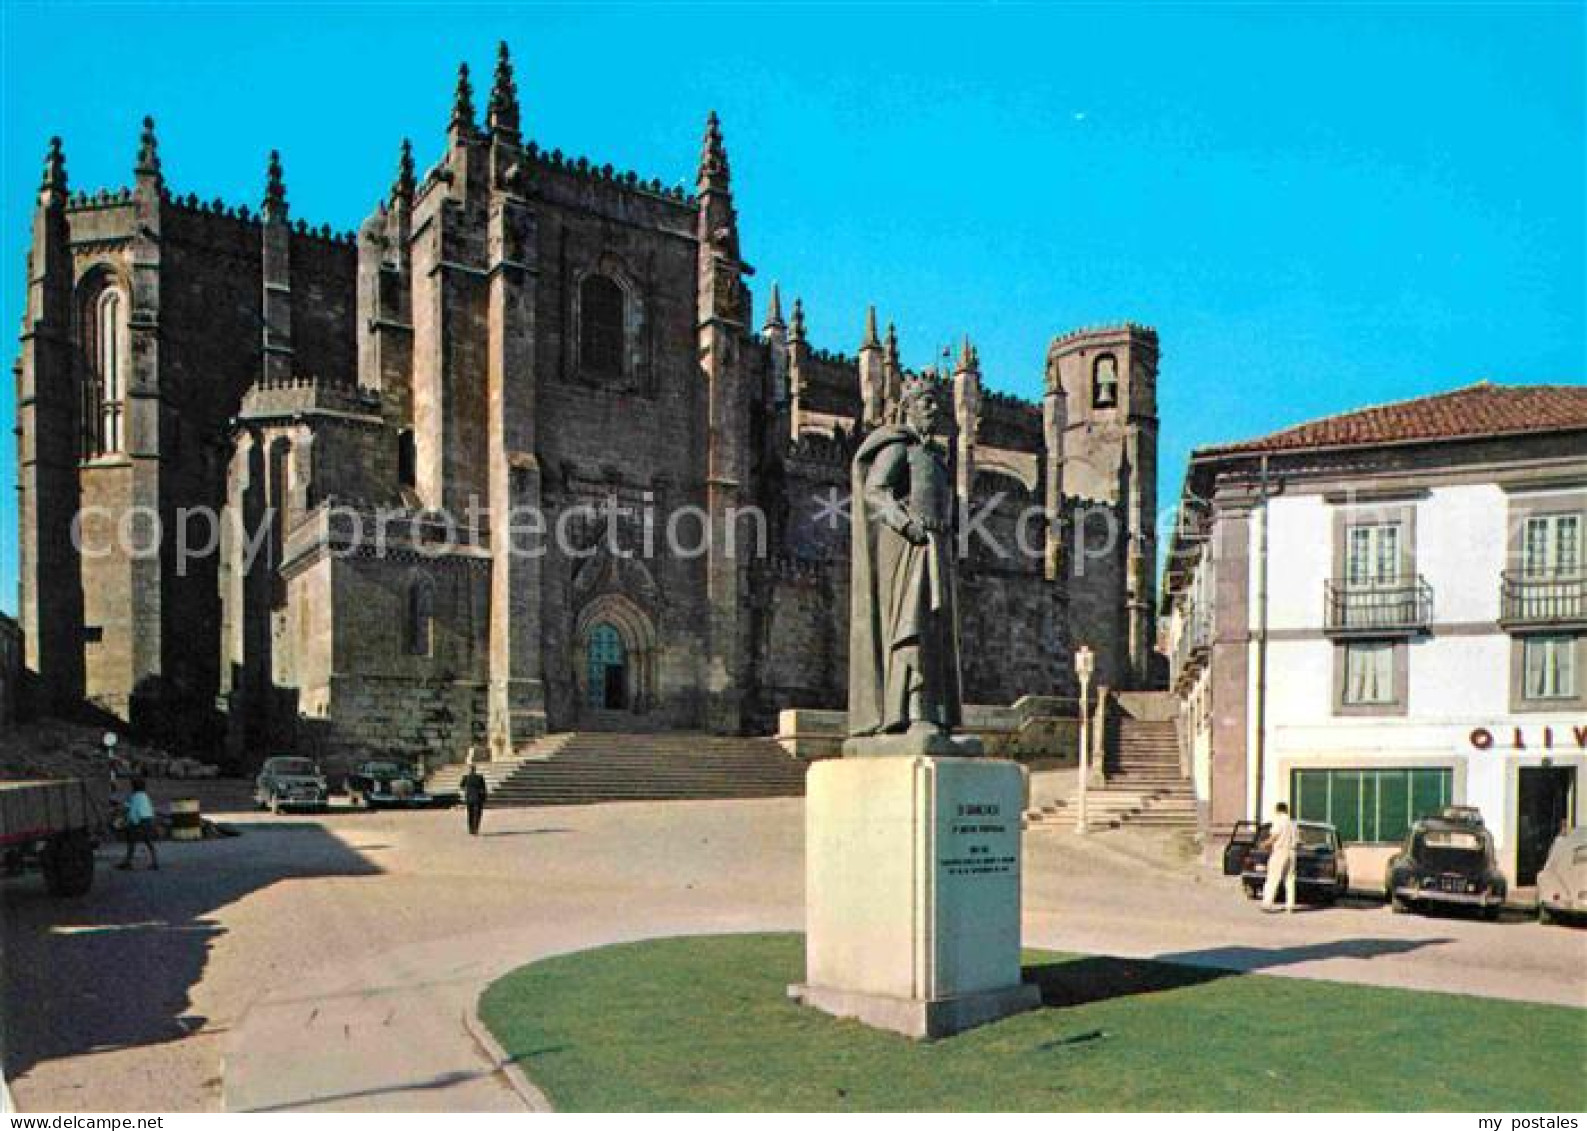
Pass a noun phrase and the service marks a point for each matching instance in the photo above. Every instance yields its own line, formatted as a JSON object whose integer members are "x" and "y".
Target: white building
{"x": 1377, "y": 614}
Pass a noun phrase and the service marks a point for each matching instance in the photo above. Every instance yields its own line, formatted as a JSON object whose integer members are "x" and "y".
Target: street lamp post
{"x": 1085, "y": 664}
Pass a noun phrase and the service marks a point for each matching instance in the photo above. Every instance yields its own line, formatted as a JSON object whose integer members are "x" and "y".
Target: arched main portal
{"x": 606, "y": 669}
{"x": 614, "y": 659}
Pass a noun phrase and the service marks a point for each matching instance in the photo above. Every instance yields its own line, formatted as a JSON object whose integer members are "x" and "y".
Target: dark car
{"x": 288, "y": 782}
{"x": 1320, "y": 868}
{"x": 1447, "y": 860}
{"x": 1242, "y": 840}
{"x": 388, "y": 784}
{"x": 381, "y": 783}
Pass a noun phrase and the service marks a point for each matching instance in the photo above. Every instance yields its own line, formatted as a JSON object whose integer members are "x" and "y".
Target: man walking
{"x": 1282, "y": 837}
{"x": 474, "y": 794}
{"x": 140, "y": 826}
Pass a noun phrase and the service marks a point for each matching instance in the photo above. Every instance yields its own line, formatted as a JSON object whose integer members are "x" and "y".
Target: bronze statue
{"x": 904, "y": 632}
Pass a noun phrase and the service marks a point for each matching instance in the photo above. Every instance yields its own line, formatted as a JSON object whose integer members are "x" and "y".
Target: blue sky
{"x": 1319, "y": 207}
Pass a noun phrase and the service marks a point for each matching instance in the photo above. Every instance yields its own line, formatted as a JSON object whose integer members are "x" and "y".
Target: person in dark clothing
{"x": 474, "y": 794}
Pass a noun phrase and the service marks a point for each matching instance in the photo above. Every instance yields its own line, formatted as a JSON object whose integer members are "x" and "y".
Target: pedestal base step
{"x": 920, "y": 1019}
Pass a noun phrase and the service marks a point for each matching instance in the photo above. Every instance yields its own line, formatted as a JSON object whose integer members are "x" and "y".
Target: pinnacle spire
{"x": 714, "y": 173}
{"x": 54, "y": 168}
{"x": 502, "y": 114}
{"x": 967, "y": 356}
{"x": 796, "y": 327}
{"x": 275, "y": 197}
{"x": 403, "y": 186}
{"x": 892, "y": 344}
{"x": 148, "y": 152}
{"x": 774, "y": 309}
{"x": 872, "y": 341}
{"x": 462, "y": 102}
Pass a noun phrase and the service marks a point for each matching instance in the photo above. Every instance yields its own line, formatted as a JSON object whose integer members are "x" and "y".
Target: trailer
{"x": 51, "y": 825}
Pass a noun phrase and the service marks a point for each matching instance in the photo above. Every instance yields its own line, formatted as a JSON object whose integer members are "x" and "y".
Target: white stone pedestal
{"x": 912, "y": 900}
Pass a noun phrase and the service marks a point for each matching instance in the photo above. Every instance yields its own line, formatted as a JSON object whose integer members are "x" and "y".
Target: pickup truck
{"x": 51, "y": 825}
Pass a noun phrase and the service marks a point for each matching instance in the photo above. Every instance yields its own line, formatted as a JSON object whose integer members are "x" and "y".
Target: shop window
{"x": 1549, "y": 667}
{"x": 1370, "y": 806}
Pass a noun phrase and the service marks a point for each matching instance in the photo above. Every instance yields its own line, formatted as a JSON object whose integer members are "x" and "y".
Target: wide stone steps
{"x": 1144, "y": 789}
{"x": 590, "y": 766}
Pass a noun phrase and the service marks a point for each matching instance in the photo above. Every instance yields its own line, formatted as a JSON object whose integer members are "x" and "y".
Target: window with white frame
{"x": 1551, "y": 546}
{"x": 1549, "y": 667}
{"x": 1372, "y": 555}
{"x": 1369, "y": 672}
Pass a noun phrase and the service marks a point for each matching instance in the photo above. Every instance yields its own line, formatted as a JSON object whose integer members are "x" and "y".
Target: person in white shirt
{"x": 1282, "y": 837}
{"x": 140, "y": 826}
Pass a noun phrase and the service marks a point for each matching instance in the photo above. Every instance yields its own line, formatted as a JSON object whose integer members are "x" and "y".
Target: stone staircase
{"x": 582, "y": 767}
{"x": 1144, "y": 786}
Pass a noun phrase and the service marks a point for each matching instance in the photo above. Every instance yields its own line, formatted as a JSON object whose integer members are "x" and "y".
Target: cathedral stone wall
{"x": 514, "y": 328}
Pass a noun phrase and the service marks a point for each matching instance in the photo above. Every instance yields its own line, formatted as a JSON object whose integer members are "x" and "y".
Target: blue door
{"x": 607, "y": 684}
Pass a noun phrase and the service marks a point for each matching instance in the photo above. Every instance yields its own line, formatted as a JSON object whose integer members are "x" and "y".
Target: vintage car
{"x": 1562, "y": 884}
{"x": 388, "y": 784}
{"x": 286, "y": 782}
{"x": 1320, "y": 864}
{"x": 1242, "y": 839}
{"x": 1447, "y": 860}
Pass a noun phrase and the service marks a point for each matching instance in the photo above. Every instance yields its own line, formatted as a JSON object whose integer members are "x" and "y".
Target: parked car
{"x": 287, "y": 782}
{"x": 1320, "y": 867}
{"x": 1562, "y": 884}
{"x": 380, "y": 782}
{"x": 387, "y": 784}
{"x": 1242, "y": 839}
{"x": 1447, "y": 860}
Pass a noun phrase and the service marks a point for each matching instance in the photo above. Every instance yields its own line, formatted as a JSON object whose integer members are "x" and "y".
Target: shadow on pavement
{"x": 1084, "y": 981}
{"x": 1243, "y": 959}
{"x": 114, "y": 968}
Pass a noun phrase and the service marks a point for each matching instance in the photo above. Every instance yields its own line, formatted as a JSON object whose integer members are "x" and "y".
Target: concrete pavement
{"x": 326, "y": 963}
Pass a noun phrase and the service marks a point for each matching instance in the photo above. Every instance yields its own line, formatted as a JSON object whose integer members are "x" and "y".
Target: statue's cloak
{"x": 903, "y": 627}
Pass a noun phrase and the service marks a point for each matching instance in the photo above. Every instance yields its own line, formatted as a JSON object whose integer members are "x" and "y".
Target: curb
{"x": 532, "y": 1097}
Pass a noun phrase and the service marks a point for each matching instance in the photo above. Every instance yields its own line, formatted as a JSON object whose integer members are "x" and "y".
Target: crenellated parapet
{"x": 305, "y": 395}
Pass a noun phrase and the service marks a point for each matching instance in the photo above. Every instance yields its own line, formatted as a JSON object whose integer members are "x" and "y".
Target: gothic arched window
{"x": 420, "y": 620}
{"x": 601, "y": 331}
{"x": 104, "y": 325}
{"x": 407, "y": 459}
{"x": 1105, "y": 382}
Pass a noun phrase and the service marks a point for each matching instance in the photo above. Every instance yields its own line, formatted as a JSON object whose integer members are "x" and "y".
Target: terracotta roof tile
{"x": 1482, "y": 409}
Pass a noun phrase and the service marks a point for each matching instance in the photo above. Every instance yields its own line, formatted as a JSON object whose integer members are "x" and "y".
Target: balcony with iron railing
{"x": 1532, "y": 599}
{"x": 1193, "y": 646}
{"x": 1402, "y": 608}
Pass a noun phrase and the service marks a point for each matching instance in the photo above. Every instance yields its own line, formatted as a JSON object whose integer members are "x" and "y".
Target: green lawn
{"x": 703, "y": 1024}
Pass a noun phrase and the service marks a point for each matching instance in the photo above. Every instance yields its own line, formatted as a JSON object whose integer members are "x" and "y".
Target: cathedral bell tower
{"x": 1107, "y": 377}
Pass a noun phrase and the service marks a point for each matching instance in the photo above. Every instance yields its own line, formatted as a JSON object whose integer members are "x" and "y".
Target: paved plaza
{"x": 330, "y": 962}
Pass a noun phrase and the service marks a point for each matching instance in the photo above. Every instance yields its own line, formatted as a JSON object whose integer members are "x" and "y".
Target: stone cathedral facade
{"x": 513, "y": 332}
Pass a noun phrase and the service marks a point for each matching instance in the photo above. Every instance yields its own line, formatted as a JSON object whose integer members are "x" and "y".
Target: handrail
{"x": 1405, "y": 606}
{"x": 1531, "y": 597}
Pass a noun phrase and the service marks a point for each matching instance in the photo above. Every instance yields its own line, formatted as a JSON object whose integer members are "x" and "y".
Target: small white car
{"x": 1562, "y": 884}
